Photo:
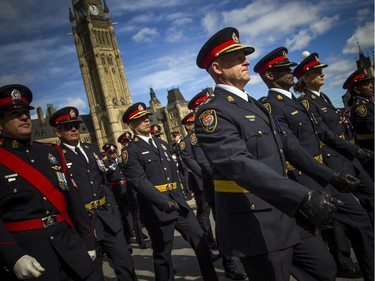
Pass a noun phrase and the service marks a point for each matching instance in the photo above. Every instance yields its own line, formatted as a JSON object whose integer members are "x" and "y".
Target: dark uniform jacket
{"x": 194, "y": 158}
{"x": 116, "y": 179}
{"x": 20, "y": 201}
{"x": 327, "y": 117}
{"x": 92, "y": 186}
{"x": 195, "y": 170}
{"x": 362, "y": 118}
{"x": 294, "y": 117}
{"x": 242, "y": 144}
{"x": 146, "y": 167}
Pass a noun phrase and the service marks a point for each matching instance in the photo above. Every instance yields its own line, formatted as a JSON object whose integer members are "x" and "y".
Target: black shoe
{"x": 235, "y": 275}
{"x": 215, "y": 257}
{"x": 347, "y": 273}
{"x": 143, "y": 246}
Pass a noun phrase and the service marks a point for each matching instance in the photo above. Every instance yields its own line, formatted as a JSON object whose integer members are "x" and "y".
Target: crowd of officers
{"x": 288, "y": 193}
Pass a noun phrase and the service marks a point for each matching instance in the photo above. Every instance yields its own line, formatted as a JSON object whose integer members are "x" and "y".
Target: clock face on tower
{"x": 93, "y": 10}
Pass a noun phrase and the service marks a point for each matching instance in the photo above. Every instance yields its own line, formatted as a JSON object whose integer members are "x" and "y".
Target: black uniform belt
{"x": 166, "y": 187}
{"x": 318, "y": 158}
{"x": 33, "y": 223}
{"x": 365, "y": 137}
{"x": 112, "y": 183}
{"x": 228, "y": 186}
{"x": 95, "y": 204}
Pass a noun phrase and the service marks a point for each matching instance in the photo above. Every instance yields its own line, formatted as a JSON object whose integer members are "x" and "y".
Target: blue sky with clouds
{"x": 159, "y": 41}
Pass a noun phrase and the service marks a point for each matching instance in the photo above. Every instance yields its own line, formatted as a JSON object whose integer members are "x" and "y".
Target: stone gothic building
{"x": 105, "y": 82}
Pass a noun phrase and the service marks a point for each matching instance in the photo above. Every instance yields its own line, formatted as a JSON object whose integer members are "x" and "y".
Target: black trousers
{"x": 162, "y": 235}
{"x": 309, "y": 260}
{"x": 119, "y": 257}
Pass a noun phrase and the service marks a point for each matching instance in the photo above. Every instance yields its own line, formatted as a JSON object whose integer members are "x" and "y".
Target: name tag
{"x": 10, "y": 176}
{"x": 145, "y": 152}
{"x": 294, "y": 112}
{"x": 250, "y": 117}
{"x": 69, "y": 165}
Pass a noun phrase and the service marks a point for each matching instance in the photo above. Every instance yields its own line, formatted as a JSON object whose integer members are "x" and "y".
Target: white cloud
{"x": 79, "y": 103}
{"x": 364, "y": 35}
{"x": 146, "y": 35}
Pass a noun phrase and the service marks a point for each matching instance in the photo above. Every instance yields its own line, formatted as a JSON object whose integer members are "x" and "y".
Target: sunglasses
{"x": 69, "y": 127}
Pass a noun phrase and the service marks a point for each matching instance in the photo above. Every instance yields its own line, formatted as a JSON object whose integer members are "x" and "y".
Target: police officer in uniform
{"x": 351, "y": 219}
{"x": 150, "y": 169}
{"x": 201, "y": 175}
{"x": 310, "y": 77}
{"x": 255, "y": 201}
{"x": 87, "y": 170}
{"x": 37, "y": 236}
{"x": 124, "y": 139}
{"x": 117, "y": 182}
{"x": 361, "y": 88}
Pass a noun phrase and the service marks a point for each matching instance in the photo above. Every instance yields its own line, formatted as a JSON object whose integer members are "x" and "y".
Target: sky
{"x": 160, "y": 39}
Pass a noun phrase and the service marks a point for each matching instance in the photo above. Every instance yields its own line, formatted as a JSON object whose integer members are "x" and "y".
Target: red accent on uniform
{"x": 355, "y": 79}
{"x": 62, "y": 117}
{"x": 28, "y": 224}
{"x": 197, "y": 101}
{"x": 38, "y": 180}
{"x": 7, "y": 100}
{"x": 306, "y": 67}
{"x": 264, "y": 67}
{"x": 211, "y": 55}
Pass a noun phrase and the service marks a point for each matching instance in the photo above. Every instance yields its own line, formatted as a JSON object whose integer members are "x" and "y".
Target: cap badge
{"x": 235, "y": 38}
{"x": 72, "y": 113}
{"x": 285, "y": 55}
{"x": 16, "y": 95}
{"x": 140, "y": 107}
{"x": 316, "y": 58}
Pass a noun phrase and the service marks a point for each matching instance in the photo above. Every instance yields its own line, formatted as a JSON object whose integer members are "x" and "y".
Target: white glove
{"x": 92, "y": 254}
{"x": 27, "y": 267}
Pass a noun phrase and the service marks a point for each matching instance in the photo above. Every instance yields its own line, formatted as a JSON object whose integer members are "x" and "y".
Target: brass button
{"x": 168, "y": 178}
{"x": 299, "y": 173}
{"x": 252, "y": 207}
{"x": 260, "y": 133}
{"x": 281, "y": 151}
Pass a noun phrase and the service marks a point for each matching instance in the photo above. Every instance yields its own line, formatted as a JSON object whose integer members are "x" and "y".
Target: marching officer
{"x": 87, "y": 170}
{"x": 201, "y": 174}
{"x": 351, "y": 219}
{"x": 124, "y": 139}
{"x": 361, "y": 88}
{"x": 255, "y": 201}
{"x": 197, "y": 177}
{"x": 310, "y": 77}
{"x": 117, "y": 182}
{"x": 150, "y": 169}
{"x": 37, "y": 236}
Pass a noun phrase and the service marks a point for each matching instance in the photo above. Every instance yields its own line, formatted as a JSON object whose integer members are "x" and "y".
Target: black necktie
{"x": 80, "y": 154}
{"x": 151, "y": 142}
